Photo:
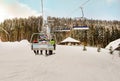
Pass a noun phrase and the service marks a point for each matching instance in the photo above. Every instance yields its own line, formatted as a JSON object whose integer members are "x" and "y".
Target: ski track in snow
{"x": 70, "y": 63}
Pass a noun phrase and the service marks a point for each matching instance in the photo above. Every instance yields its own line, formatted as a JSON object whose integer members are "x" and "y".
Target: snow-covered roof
{"x": 114, "y": 44}
{"x": 69, "y": 39}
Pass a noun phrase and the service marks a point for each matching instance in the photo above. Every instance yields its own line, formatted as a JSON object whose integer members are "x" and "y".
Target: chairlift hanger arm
{"x": 42, "y": 6}
{"x": 42, "y": 16}
{"x": 32, "y": 36}
{"x": 81, "y": 7}
{"x": 82, "y": 12}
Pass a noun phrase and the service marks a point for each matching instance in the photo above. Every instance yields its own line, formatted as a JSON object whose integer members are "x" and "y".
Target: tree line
{"x": 100, "y": 31}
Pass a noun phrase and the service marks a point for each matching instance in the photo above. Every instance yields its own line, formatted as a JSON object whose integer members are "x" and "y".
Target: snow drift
{"x": 115, "y": 44}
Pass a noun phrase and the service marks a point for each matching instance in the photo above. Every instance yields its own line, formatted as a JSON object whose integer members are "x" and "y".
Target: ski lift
{"x": 64, "y": 29}
{"x": 83, "y": 27}
{"x": 80, "y": 27}
{"x": 41, "y": 40}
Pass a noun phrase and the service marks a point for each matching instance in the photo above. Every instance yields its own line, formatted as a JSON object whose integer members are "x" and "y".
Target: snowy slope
{"x": 70, "y": 63}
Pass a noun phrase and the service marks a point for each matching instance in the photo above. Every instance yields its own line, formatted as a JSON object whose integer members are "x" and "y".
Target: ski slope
{"x": 69, "y": 63}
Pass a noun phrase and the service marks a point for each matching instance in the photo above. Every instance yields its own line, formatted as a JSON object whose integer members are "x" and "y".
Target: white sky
{"x": 8, "y": 10}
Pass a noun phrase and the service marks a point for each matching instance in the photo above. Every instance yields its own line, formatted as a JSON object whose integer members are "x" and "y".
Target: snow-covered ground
{"x": 69, "y": 63}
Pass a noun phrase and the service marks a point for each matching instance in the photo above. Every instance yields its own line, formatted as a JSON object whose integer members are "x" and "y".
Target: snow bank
{"x": 114, "y": 44}
{"x": 15, "y": 48}
{"x": 24, "y": 42}
{"x": 15, "y": 44}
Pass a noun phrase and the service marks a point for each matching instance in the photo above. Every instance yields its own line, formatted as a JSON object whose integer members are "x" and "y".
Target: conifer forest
{"x": 100, "y": 31}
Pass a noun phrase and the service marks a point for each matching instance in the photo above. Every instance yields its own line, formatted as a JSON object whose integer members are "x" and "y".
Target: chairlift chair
{"x": 43, "y": 37}
{"x": 43, "y": 41}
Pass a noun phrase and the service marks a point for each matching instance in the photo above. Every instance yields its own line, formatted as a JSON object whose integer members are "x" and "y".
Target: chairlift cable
{"x": 81, "y": 7}
{"x": 42, "y": 17}
{"x": 85, "y": 3}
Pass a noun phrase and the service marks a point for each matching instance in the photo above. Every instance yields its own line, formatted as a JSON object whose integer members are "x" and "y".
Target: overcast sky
{"x": 93, "y": 9}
